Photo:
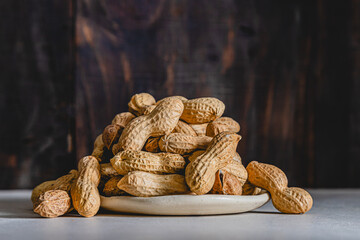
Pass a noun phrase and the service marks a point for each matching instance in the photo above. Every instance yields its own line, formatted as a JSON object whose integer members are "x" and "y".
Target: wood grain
{"x": 288, "y": 72}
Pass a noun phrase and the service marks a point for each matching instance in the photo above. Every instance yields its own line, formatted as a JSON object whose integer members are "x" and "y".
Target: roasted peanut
{"x": 130, "y": 160}
{"x": 200, "y": 129}
{"x": 199, "y": 152}
{"x": 111, "y": 189}
{"x": 181, "y": 143}
{"x": 181, "y": 98}
{"x": 143, "y": 184}
{"x": 52, "y": 203}
{"x": 227, "y": 183}
{"x": 162, "y": 120}
{"x": 223, "y": 124}
{"x": 249, "y": 189}
{"x": 183, "y": 127}
{"x": 107, "y": 170}
{"x": 139, "y": 102}
{"x": 111, "y": 135}
{"x": 202, "y": 110}
{"x": 84, "y": 193}
{"x": 230, "y": 179}
{"x": 99, "y": 146}
{"x": 200, "y": 173}
{"x": 152, "y": 145}
{"x": 122, "y": 119}
{"x": 271, "y": 178}
{"x": 62, "y": 183}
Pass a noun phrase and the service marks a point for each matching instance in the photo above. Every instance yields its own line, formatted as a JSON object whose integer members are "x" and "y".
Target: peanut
{"x": 129, "y": 160}
{"x": 122, "y": 119}
{"x": 162, "y": 120}
{"x": 183, "y": 127}
{"x": 227, "y": 183}
{"x": 143, "y": 184}
{"x": 84, "y": 192}
{"x": 52, "y": 203}
{"x": 230, "y": 179}
{"x": 99, "y": 146}
{"x": 200, "y": 129}
{"x": 107, "y": 170}
{"x": 271, "y": 178}
{"x": 111, "y": 134}
{"x": 197, "y": 153}
{"x": 202, "y": 110}
{"x": 181, "y": 98}
{"x": 200, "y": 173}
{"x": 139, "y": 102}
{"x": 181, "y": 143}
{"x": 111, "y": 189}
{"x": 62, "y": 183}
{"x": 221, "y": 125}
{"x": 249, "y": 189}
{"x": 150, "y": 108}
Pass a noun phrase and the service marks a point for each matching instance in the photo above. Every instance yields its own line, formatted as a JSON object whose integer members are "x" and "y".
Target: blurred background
{"x": 288, "y": 72}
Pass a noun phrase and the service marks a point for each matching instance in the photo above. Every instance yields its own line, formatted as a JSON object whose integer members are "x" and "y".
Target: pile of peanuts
{"x": 171, "y": 146}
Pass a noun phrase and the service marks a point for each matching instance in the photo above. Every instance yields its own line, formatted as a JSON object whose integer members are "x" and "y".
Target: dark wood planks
{"x": 37, "y": 91}
{"x": 286, "y": 71}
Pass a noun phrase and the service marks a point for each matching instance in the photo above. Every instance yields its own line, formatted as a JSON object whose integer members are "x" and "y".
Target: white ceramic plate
{"x": 209, "y": 204}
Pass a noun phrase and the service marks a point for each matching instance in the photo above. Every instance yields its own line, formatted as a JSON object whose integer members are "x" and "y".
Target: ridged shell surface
{"x": 84, "y": 193}
{"x": 200, "y": 173}
{"x": 202, "y": 110}
{"x": 162, "y": 120}
{"x": 130, "y": 160}
{"x": 143, "y": 184}
{"x": 181, "y": 143}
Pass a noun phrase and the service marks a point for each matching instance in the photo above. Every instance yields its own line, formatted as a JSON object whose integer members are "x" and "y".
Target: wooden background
{"x": 288, "y": 71}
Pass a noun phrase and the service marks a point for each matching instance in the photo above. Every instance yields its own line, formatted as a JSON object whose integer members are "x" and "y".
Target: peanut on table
{"x": 171, "y": 146}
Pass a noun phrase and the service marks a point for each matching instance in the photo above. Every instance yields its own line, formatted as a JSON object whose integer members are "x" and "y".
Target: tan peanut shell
{"x": 99, "y": 146}
{"x": 129, "y": 160}
{"x": 181, "y": 143}
{"x": 139, "y": 102}
{"x": 143, "y": 184}
{"x": 183, "y": 127}
{"x": 271, "y": 178}
{"x": 226, "y": 183}
{"x": 200, "y": 129}
{"x": 111, "y": 188}
{"x": 197, "y": 153}
{"x": 249, "y": 189}
{"x": 52, "y": 203}
{"x": 200, "y": 173}
{"x": 229, "y": 179}
{"x": 107, "y": 170}
{"x": 62, "y": 183}
{"x": 162, "y": 120}
{"x": 122, "y": 119}
{"x": 181, "y": 98}
{"x": 84, "y": 193}
{"x": 152, "y": 145}
{"x": 148, "y": 109}
{"x": 202, "y": 110}
{"x": 223, "y": 124}
{"x": 111, "y": 135}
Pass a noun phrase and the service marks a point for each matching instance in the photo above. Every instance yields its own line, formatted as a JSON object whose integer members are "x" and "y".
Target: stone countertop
{"x": 335, "y": 214}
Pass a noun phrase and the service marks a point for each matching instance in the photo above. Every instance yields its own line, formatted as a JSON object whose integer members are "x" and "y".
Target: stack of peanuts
{"x": 172, "y": 146}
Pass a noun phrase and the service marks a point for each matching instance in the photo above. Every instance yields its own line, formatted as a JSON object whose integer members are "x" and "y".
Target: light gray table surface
{"x": 335, "y": 215}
